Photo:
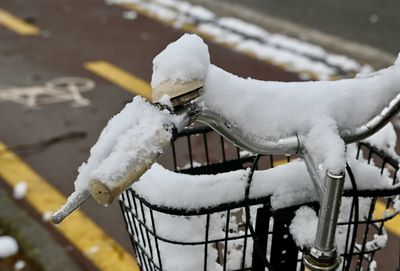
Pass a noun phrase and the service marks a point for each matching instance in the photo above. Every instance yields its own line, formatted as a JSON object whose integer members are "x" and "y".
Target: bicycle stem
{"x": 323, "y": 253}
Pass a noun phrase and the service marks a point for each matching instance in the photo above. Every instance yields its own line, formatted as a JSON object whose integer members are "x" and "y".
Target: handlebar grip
{"x": 104, "y": 192}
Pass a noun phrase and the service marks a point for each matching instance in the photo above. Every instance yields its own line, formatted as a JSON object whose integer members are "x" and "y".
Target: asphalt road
{"x": 73, "y": 33}
{"x": 371, "y": 22}
{"x": 55, "y": 138}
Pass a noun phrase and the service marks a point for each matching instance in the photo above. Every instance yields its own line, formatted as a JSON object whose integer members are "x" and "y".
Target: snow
{"x": 379, "y": 241}
{"x": 374, "y": 18}
{"x": 8, "y": 246}
{"x": 295, "y": 54}
{"x": 321, "y": 108}
{"x": 183, "y": 258}
{"x": 385, "y": 139}
{"x": 19, "y": 265}
{"x": 278, "y": 102}
{"x": 244, "y": 27}
{"x": 304, "y": 226}
{"x": 220, "y": 34}
{"x": 20, "y": 190}
{"x": 93, "y": 250}
{"x": 129, "y": 15}
{"x": 326, "y": 146}
{"x": 166, "y": 101}
{"x": 189, "y": 191}
{"x": 192, "y": 229}
{"x": 287, "y": 185}
{"x": 372, "y": 266}
{"x": 129, "y": 137}
{"x": 46, "y": 217}
{"x": 183, "y": 60}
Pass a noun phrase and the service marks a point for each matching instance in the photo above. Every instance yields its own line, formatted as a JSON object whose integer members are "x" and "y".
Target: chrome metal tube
{"x": 288, "y": 145}
{"x": 329, "y": 211}
{"x": 365, "y": 130}
{"x": 73, "y": 203}
{"x": 314, "y": 174}
{"x": 323, "y": 254}
{"x": 292, "y": 144}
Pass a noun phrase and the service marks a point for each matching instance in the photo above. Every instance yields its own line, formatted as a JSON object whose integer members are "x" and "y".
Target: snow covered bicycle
{"x": 240, "y": 220}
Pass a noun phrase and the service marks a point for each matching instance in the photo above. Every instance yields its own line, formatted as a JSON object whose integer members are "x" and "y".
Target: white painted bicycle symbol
{"x": 63, "y": 89}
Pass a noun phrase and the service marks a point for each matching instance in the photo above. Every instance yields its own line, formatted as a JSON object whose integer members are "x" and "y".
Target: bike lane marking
{"x": 80, "y": 230}
{"x": 120, "y": 77}
{"x": 58, "y": 90}
{"x": 17, "y": 25}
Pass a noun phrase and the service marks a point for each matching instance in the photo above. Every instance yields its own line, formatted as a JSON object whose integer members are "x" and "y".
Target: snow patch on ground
{"x": 93, "y": 250}
{"x": 129, "y": 15}
{"x": 8, "y": 247}
{"x": 296, "y": 55}
{"x": 46, "y": 217}
{"x": 20, "y": 190}
{"x": 19, "y": 265}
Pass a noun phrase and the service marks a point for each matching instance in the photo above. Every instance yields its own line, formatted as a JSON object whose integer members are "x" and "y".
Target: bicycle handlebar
{"x": 105, "y": 192}
{"x": 293, "y": 144}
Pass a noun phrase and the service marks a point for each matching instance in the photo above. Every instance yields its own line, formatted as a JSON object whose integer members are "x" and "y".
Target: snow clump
{"x": 183, "y": 60}
{"x": 304, "y": 226}
{"x": 385, "y": 139}
{"x": 129, "y": 137}
{"x": 8, "y": 246}
{"x": 20, "y": 190}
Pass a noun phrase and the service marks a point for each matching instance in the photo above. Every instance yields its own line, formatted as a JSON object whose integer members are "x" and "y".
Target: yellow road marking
{"x": 81, "y": 231}
{"x": 280, "y": 162}
{"x": 392, "y": 225}
{"x": 120, "y": 77}
{"x": 17, "y": 25}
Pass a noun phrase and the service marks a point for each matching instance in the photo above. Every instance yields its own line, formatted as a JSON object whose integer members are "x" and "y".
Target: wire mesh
{"x": 223, "y": 240}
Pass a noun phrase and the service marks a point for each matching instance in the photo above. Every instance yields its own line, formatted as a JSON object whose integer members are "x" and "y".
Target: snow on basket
{"x": 287, "y": 185}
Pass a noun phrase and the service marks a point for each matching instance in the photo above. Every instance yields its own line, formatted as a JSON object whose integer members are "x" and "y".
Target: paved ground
{"x": 73, "y": 33}
{"x": 54, "y": 137}
{"x": 366, "y": 21}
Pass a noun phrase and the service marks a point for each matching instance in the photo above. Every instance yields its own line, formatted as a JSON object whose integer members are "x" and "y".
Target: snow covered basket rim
{"x": 283, "y": 186}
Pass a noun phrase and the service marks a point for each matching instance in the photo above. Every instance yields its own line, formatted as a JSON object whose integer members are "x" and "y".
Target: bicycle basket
{"x": 219, "y": 237}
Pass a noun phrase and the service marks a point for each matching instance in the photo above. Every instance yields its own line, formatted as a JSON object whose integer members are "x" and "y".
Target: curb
{"x": 364, "y": 54}
{"x": 33, "y": 239}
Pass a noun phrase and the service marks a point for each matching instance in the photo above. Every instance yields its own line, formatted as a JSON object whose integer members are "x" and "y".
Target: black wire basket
{"x": 251, "y": 234}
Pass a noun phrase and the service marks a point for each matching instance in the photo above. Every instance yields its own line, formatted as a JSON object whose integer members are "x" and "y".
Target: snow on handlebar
{"x": 261, "y": 116}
